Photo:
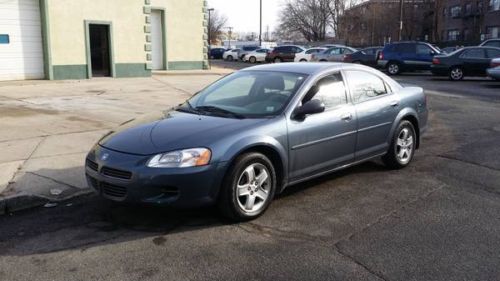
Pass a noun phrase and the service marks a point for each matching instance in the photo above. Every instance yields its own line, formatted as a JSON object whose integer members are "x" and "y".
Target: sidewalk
{"x": 47, "y": 127}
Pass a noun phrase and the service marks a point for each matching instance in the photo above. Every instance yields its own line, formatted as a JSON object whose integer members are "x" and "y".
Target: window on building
{"x": 493, "y": 31}
{"x": 365, "y": 85}
{"x": 494, "y": 5}
{"x": 468, "y": 9}
{"x": 455, "y": 11}
{"x": 4, "y": 39}
{"x": 444, "y": 12}
{"x": 453, "y": 35}
{"x": 480, "y": 6}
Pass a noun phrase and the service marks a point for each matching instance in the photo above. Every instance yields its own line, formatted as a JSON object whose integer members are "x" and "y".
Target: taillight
{"x": 436, "y": 61}
{"x": 381, "y": 56}
{"x": 495, "y": 63}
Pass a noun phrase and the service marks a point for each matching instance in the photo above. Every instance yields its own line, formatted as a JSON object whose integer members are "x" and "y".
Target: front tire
{"x": 303, "y": 60}
{"x": 278, "y": 60}
{"x": 230, "y": 58}
{"x": 402, "y": 148}
{"x": 248, "y": 187}
{"x": 253, "y": 60}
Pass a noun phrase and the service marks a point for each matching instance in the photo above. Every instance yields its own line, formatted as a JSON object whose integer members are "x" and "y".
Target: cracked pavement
{"x": 439, "y": 219}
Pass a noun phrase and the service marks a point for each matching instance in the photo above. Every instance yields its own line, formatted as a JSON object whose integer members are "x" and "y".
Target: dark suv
{"x": 406, "y": 56}
{"x": 283, "y": 53}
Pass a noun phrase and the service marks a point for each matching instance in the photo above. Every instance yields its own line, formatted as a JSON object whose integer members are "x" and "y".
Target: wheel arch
{"x": 274, "y": 151}
{"x": 407, "y": 114}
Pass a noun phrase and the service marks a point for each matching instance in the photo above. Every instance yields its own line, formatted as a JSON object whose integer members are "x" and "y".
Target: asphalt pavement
{"x": 438, "y": 219}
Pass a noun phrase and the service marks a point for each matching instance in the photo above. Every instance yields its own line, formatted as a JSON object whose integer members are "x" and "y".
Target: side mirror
{"x": 311, "y": 107}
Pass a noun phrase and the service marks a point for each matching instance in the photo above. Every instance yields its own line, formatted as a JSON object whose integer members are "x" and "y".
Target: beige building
{"x": 75, "y": 39}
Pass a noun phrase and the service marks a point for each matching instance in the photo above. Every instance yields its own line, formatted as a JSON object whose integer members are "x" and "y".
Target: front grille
{"x": 92, "y": 165}
{"x": 115, "y": 173}
{"x": 113, "y": 190}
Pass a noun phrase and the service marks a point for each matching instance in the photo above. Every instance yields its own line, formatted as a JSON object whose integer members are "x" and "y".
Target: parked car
{"x": 284, "y": 53}
{"x": 406, "y": 56}
{"x": 256, "y": 56}
{"x": 494, "y": 70}
{"x": 305, "y": 55}
{"x": 217, "y": 53}
{"x": 231, "y": 54}
{"x": 449, "y": 50}
{"x": 248, "y": 136}
{"x": 334, "y": 54}
{"x": 469, "y": 61}
{"x": 491, "y": 43}
{"x": 245, "y": 50}
{"x": 367, "y": 56}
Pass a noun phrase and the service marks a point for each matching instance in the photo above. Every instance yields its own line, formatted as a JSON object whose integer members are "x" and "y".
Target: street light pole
{"x": 400, "y": 20}
{"x": 209, "y": 27}
{"x": 230, "y": 32}
{"x": 260, "y": 29}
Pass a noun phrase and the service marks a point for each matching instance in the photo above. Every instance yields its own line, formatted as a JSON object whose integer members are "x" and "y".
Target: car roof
{"x": 303, "y": 68}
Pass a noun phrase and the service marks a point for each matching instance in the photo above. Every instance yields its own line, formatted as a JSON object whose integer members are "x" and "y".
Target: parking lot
{"x": 439, "y": 219}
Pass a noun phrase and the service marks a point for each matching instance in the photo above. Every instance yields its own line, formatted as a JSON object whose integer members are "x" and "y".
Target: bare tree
{"x": 216, "y": 25}
{"x": 308, "y": 18}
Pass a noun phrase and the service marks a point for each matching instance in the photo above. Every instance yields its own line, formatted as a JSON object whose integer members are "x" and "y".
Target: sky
{"x": 243, "y": 15}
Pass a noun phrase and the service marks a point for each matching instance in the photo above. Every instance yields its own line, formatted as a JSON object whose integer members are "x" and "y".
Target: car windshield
{"x": 246, "y": 94}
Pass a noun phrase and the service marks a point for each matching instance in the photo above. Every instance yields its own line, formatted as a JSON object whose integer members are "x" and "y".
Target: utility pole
{"x": 401, "y": 19}
{"x": 209, "y": 27}
{"x": 230, "y": 33}
{"x": 260, "y": 28}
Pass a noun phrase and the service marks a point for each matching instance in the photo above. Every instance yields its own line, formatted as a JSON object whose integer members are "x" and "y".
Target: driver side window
{"x": 330, "y": 90}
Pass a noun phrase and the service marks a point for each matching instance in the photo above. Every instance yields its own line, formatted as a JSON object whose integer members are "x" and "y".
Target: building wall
{"x": 66, "y": 43}
{"x": 185, "y": 32}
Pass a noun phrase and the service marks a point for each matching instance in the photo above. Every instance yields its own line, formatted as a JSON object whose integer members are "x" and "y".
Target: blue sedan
{"x": 245, "y": 138}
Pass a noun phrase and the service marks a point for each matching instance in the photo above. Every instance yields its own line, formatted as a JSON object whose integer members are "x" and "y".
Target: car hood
{"x": 172, "y": 130}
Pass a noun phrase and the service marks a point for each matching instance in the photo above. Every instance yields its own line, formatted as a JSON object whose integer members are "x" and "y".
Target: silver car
{"x": 494, "y": 71}
{"x": 333, "y": 54}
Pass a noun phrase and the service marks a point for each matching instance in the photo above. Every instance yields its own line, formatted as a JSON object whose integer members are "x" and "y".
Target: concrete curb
{"x": 24, "y": 201}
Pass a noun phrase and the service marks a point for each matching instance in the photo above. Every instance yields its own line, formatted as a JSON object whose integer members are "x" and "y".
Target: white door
{"x": 21, "y": 49}
{"x": 157, "y": 40}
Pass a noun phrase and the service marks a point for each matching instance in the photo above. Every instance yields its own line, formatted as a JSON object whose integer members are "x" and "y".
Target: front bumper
{"x": 126, "y": 178}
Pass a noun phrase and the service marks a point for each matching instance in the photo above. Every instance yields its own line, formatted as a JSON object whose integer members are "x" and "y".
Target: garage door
{"x": 21, "y": 49}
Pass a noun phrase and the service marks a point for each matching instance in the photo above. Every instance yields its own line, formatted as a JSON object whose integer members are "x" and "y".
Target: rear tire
{"x": 248, "y": 187}
{"x": 230, "y": 58}
{"x": 402, "y": 148}
{"x": 253, "y": 60}
{"x": 393, "y": 68}
{"x": 456, "y": 73}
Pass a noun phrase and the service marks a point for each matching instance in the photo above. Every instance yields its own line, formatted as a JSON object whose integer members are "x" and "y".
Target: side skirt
{"x": 332, "y": 170}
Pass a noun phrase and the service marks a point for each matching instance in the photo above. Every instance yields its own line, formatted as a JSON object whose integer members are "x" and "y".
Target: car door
{"x": 376, "y": 109}
{"x": 406, "y": 52}
{"x": 326, "y": 140}
{"x": 335, "y": 54}
{"x": 424, "y": 56}
{"x": 474, "y": 61}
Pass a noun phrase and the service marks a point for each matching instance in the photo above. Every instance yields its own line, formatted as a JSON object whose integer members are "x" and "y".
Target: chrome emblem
{"x": 104, "y": 157}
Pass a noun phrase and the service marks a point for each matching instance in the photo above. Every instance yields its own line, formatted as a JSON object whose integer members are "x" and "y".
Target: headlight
{"x": 182, "y": 158}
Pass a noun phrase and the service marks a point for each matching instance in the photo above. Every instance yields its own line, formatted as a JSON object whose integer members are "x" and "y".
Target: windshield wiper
{"x": 189, "y": 109}
{"x": 215, "y": 109}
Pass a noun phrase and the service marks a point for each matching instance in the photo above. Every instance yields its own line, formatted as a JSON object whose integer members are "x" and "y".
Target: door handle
{"x": 346, "y": 116}
{"x": 394, "y": 103}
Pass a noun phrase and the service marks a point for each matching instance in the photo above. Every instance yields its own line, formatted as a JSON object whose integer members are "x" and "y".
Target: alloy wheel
{"x": 393, "y": 68}
{"x": 456, "y": 74}
{"x": 253, "y": 187}
{"x": 404, "y": 146}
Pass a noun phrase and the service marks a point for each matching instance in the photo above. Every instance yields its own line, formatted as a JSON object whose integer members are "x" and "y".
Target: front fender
{"x": 248, "y": 143}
